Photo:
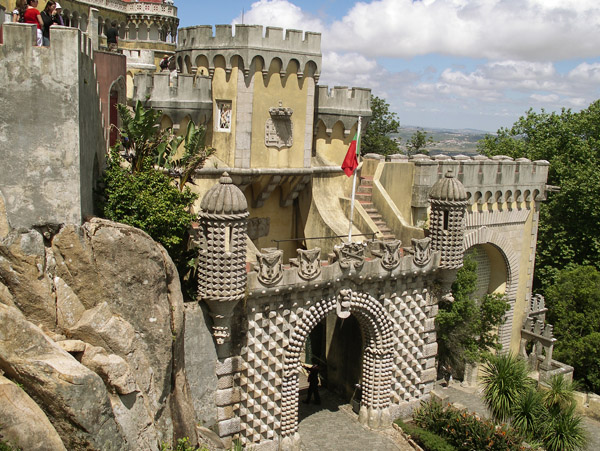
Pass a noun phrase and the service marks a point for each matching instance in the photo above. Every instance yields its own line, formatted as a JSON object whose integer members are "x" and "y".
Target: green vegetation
{"x": 568, "y": 249}
{"x": 183, "y": 444}
{"x": 139, "y": 192}
{"x": 418, "y": 142}
{"x": 574, "y": 310}
{"x": 424, "y": 438}
{"x": 465, "y": 431}
{"x": 466, "y": 328}
{"x": 377, "y": 135}
{"x": 546, "y": 417}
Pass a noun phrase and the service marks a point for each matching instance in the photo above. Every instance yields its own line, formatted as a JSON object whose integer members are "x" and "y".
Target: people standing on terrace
{"x": 33, "y": 16}
{"x": 48, "y": 20}
{"x": 112, "y": 36}
{"x": 18, "y": 14}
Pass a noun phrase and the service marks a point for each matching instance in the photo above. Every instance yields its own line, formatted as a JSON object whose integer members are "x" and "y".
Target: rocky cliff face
{"x": 91, "y": 340}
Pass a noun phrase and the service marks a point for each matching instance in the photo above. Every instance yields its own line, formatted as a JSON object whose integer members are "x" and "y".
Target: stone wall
{"x": 54, "y": 147}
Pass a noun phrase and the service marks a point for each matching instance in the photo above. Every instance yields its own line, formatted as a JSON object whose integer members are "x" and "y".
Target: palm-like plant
{"x": 564, "y": 431}
{"x": 560, "y": 395}
{"x": 529, "y": 413}
{"x": 194, "y": 155}
{"x": 504, "y": 380}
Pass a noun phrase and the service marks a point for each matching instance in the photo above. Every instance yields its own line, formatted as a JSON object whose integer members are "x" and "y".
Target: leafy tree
{"x": 383, "y": 122}
{"x": 569, "y": 226}
{"x": 141, "y": 193}
{"x": 417, "y": 143}
{"x": 466, "y": 327}
{"x": 574, "y": 309}
{"x": 148, "y": 200}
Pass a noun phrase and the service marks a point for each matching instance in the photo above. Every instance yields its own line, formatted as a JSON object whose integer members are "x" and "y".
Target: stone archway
{"x": 485, "y": 235}
{"x": 377, "y": 327}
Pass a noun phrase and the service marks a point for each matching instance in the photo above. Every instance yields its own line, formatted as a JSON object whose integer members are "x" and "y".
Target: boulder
{"x": 74, "y": 398}
{"x": 69, "y": 308}
{"x": 112, "y": 369}
{"x": 22, "y": 271}
{"x": 23, "y": 423}
{"x": 130, "y": 289}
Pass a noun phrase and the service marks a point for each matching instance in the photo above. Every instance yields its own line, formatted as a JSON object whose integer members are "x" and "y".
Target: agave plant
{"x": 504, "y": 381}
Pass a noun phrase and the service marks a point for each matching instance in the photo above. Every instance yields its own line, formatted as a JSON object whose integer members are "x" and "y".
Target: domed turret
{"x": 222, "y": 257}
{"x": 448, "y": 200}
{"x": 224, "y": 199}
{"x": 448, "y": 189}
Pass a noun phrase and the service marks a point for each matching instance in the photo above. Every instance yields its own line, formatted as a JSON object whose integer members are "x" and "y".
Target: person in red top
{"x": 33, "y": 16}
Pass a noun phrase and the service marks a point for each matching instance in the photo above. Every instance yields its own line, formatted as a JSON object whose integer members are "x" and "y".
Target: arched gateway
{"x": 377, "y": 328}
{"x": 391, "y": 291}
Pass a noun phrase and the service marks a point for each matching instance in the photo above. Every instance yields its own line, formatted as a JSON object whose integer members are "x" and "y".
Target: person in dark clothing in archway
{"x": 313, "y": 383}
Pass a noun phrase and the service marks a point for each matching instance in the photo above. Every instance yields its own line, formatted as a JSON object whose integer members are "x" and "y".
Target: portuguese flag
{"x": 351, "y": 161}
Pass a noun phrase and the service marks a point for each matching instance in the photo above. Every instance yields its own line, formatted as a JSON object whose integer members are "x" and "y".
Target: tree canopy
{"x": 418, "y": 142}
{"x": 383, "y": 123}
{"x": 574, "y": 310}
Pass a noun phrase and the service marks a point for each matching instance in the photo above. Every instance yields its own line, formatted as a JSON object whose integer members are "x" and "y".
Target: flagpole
{"x": 354, "y": 182}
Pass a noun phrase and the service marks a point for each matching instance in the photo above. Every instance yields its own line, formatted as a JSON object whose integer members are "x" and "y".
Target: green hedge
{"x": 425, "y": 439}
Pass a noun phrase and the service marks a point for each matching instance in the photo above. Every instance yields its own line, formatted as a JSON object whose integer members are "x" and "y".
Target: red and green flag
{"x": 351, "y": 160}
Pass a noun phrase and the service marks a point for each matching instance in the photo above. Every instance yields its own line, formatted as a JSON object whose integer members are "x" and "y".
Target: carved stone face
{"x": 309, "y": 263}
{"x": 388, "y": 252}
{"x": 422, "y": 251}
{"x": 270, "y": 266}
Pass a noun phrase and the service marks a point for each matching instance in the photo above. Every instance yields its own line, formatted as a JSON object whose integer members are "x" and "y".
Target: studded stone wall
{"x": 394, "y": 308}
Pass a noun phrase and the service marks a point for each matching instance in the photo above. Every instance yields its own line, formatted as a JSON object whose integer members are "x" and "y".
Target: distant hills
{"x": 448, "y": 141}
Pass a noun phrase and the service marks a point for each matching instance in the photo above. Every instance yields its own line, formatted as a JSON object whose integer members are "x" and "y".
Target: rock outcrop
{"x": 93, "y": 330}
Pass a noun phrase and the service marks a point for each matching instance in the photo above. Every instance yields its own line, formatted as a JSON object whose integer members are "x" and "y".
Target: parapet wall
{"x": 248, "y": 43}
{"x": 343, "y": 104}
{"x": 177, "y": 97}
{"x": 52, "y": 145}
{"x": 486, "y": 180}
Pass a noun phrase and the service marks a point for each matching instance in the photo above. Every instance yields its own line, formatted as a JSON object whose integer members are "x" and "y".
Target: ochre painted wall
{"x": 224, "y": 87}
{"x": 268, "y": 92}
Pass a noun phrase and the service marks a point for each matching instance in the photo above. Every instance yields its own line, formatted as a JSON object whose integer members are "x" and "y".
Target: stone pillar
{"x": 92, "y": 28}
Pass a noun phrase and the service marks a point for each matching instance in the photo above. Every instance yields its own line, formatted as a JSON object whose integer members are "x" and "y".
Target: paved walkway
{"x": 332, "y": 426}
{"x": 471, "y": 399}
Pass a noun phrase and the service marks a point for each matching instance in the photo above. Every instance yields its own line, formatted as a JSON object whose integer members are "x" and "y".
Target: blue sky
{"x": 443, "y": 63}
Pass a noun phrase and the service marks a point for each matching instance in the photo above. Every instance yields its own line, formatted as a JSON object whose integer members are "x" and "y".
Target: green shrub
{"x": 427, "y": 440}
{"x": 464, "y": 430}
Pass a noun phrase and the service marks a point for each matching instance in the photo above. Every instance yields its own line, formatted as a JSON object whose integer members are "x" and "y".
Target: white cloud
{"x": 550, "y": 98}
{"x": 534, "y": 30}
{"x": 280, "y": 13}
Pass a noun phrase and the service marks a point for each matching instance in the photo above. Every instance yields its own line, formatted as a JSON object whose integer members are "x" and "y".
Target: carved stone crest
{"x": 278, "y": 128}
{"x": 269, "y": 266}
{"x": 421, "y": 251}
{"x": 350, "y": 255}
{"x": 387, "y": 251}
{"x": 308, "y": 263}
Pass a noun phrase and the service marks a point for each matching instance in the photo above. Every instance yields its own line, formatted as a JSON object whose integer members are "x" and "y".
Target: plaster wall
{"x": 268, "y": 93}
{"x": 52, "y": 152}
{"x": 331, "y": 147}
{"x": 224, "y": 87}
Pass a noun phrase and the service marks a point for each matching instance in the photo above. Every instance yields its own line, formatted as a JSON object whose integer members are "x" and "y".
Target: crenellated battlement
{"x": 487, "y": 180}
{"x": 342, "y": 104}
{"x": 248, "y": 42}
{"x": 245, "y": 36}
{"x": 54, "y": 165}
{"x": 177, "y": 97}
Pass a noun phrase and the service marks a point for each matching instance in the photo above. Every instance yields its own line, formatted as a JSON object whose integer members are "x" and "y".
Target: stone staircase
{"x": 364, "y": 194}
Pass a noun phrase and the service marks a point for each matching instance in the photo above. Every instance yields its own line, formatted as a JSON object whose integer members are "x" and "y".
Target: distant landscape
{"x": 447, "y": 141}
